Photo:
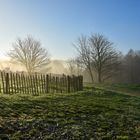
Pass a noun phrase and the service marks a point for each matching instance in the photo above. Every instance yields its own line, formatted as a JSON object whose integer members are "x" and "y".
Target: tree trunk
{"x": 91, "y": 75}
{"x": 99, "y": 77}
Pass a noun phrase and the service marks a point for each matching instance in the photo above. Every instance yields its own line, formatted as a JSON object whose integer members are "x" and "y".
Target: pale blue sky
{"x": 58, "y": 23}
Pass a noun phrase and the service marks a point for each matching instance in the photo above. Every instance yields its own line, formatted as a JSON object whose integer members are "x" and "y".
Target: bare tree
{"x": 30, "y": 54}
{"x": 84, "y": 51}
{"x": 75, "y": 67}
{"x": 71, "y": 66}
{"x": 98, "y": 55}
{"x": 80, "y": 68}
{"x": 104, "y": 57}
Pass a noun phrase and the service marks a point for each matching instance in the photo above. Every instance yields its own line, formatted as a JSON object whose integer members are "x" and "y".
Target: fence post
{"x": 14, "y": 83}
{"x": 7, "y": 82}
{"x": 11, "y": 78}
{"x": 73, "y": 83}
{"x": 64, "y": 84}
{"x": 81, "y": 82}
{"x": 47, "y": 83}
{"x": 68, "y": 80}
{"x": 56, "y": 84}
{"x": 78, "y": 83}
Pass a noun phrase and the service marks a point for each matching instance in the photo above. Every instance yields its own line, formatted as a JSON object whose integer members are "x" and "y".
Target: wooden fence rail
{"x": 36, "y": 84}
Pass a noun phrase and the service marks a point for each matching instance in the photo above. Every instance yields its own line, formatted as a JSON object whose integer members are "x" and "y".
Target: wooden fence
{"x": 36, "y": 84}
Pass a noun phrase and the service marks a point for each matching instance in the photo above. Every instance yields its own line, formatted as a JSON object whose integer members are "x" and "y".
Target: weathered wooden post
{"x": 11, "y": 79}
{"x": 2, "y": 78}
{"x": 81, "y": 81}
{"x": 57, "y": 84}
{"x": 7, "y": 82}
{"x": 68, "y": 85}
{"x": 47, "y": 83}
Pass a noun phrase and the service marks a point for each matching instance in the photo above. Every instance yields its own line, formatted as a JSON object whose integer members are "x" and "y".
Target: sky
{"x": 58, "y": 23}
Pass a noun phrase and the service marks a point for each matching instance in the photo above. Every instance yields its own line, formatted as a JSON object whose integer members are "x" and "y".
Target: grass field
{"x": 89, "y": 115}
{"x": 129, "y": 89}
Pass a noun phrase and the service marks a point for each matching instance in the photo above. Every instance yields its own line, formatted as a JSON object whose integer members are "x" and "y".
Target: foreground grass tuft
{"x": 91, "y": 115}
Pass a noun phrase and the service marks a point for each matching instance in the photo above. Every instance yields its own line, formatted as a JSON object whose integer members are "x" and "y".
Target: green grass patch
{"x": 131, "y": 89}
{"x": 91, "y": 115}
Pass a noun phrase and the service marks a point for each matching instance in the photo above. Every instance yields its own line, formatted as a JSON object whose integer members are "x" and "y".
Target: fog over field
{"x": 55, "y": 66}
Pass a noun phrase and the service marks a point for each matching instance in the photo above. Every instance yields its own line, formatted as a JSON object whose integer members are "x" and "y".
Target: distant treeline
{"x": 129, "y": 69}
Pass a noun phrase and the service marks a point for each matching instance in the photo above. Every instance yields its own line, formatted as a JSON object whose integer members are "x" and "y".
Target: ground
{"x": 128, "y": 89}
{"x": 90, "y": 114}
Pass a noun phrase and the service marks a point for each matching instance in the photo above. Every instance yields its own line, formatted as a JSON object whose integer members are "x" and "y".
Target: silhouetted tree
{"x": 98, "y": 55}
{"x": 71, "y": 66}
{"x": 30, "y": 54}
{"x": 104, "y": 57}
{"x": 75, "y": 67}
{"x": 84, "y": 53}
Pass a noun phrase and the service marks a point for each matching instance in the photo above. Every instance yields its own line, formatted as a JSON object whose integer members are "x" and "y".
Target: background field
{"x": 129, "y": 89}
{"x": 90, "y": 114}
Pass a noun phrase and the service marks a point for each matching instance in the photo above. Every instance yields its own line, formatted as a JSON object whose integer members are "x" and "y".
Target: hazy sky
{"x": 58, "y": 23}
